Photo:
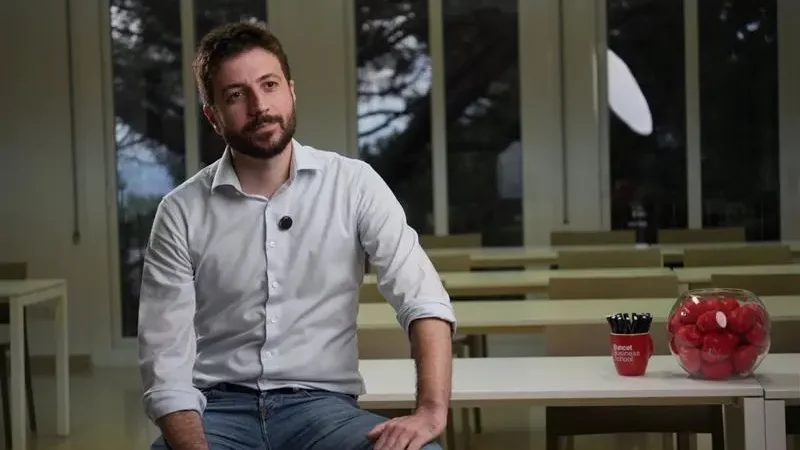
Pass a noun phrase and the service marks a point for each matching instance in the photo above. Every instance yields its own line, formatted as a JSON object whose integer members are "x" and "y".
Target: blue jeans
{"x": 290, "y": 419}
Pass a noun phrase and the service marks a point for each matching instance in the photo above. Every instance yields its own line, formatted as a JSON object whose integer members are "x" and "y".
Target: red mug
{"x": 631, "y": 353}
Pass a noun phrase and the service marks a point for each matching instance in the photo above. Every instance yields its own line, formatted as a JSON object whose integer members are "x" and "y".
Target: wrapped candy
{"x": 719, "y": 334}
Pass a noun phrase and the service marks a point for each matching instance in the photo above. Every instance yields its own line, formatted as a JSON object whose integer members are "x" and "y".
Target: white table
{"x": 779, "y": 375}
{"x": 564, "y": 381}
{"x": 20, "y": 294}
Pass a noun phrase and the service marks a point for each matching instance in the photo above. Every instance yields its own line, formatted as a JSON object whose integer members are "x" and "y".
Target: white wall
{"x": 35, "y": 162}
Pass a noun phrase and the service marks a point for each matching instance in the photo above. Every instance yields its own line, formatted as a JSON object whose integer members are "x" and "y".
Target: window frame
{"x": 557, "y": 191}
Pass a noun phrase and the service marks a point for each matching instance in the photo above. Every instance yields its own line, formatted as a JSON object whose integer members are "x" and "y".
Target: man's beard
{"x": 247, "y": 143}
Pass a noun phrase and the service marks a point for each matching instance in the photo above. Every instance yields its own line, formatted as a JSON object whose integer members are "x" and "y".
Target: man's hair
{"x": 229, "y": 40}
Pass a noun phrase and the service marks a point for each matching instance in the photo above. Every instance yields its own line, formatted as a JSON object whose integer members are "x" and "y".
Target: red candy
{"x": 741, "y": 320}
{"x": 757, "y": 335}
{"x": 689, "y": 312}
{"x": 744, "y": 358}
{"x": 718, "y": 371}
{"x": 712, "y": 321}
{"x": 719, "y": 346}
{"x": 688, "y": 336}
{"x": 711, "y": 304}
{"x": 719, "y": 335}
{"x": 760, "y": 316}
{"x": 690, "y": 359}
{"x": 674, "y": 323}
{"x": 728, "y": 304}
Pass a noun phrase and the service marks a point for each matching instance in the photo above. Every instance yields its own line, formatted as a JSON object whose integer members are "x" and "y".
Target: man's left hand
{"x": 409, "y": 432}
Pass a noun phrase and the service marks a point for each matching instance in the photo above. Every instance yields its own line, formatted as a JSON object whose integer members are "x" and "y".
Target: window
{"x": 149, "y": 136}
{"x": 484, "y": 153}
{"x": 739, "y": 116}
{"x": 647, "y": 163}
{"x": 209, "y": 14}
{"x": 394, "y": 103}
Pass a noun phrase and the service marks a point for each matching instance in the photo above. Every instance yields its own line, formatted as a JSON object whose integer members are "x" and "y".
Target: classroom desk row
{"x": 522, "y": 282}
{"x": 531, "y": 316}
{"x": 754, "y": 407}
{"x": 544, "y": 256}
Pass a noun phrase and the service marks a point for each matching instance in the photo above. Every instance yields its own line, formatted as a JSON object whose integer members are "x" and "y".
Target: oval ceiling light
{"x": 626, "y": 97}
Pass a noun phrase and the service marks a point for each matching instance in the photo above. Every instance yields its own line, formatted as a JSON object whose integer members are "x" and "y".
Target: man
{"x": 247, "y": 322}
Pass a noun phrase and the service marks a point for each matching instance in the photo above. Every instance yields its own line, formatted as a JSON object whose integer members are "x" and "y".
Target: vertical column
{"x": 191, "y": 107}
{"x": 694, "y": 169}
{"x": 441, "y": 223}
{"x": 788, "y": 116}
{"x": 541, "y": 125}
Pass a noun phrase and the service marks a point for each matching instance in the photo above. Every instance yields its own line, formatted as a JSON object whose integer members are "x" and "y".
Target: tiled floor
{"x": 106, "y": 414}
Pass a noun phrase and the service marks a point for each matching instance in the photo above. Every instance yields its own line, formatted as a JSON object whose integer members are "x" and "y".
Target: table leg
{"x": 775, "y": 424}
{"x": 19, "y": 428}
{"x": 748, "y": 416}
{"x": 62, "y": 366}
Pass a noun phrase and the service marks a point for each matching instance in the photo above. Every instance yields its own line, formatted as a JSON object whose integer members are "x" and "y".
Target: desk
{"x": 779, "y": 375}
{"x": 522, "y": 282}
{"x": 553, "y": 381}
{"x": 508, "y": 257}
{"x": 21, "y": 294}
{"x": 530, "y": 316}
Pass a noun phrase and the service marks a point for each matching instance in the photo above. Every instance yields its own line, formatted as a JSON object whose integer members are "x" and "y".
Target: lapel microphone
{"x": 285, "y": 223}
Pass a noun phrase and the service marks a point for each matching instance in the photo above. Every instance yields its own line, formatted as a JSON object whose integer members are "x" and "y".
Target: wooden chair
{"x": 615, "y": 237}
{"x": 742, "y": 256}
{"x": 700, "y": 236}
{"x": 761, "y": 285}
{"x": 14, "y": 271}
{"x": 597, "y": 259}
{"x": 592, "y": 341}
{"x": 430, "y": 241}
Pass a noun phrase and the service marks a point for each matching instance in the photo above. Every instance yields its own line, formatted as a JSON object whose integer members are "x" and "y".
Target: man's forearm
{"x": 183, "y": 430}
{"x": 432, "y": 347}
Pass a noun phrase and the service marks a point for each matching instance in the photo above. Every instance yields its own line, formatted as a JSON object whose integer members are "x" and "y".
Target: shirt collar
{"x": 303, "y": 160}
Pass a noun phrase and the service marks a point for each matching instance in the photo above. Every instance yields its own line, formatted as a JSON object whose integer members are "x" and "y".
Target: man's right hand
{"x": 183, "y": 430}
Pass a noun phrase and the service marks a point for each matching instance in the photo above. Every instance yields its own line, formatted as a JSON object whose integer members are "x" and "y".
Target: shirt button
{"x": 268, "y": 354}
{"x": 271, "y": 320}
{"x": 272, "y": 244}
{"x": 275, "y": 284}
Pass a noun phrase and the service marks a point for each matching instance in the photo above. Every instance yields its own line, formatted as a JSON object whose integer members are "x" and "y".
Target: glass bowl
{"x": 719, "y": 334}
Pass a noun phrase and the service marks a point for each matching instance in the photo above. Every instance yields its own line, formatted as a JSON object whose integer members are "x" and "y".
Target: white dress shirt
{"x": 227, "y": 296}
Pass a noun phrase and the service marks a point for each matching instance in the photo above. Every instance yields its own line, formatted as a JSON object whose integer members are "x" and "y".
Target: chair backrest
{"x": 757, "y": 255}
{"x": 761, "y": 285}
{"x": 430, "y": 241}
{"x": 597, "y": 259}
{"x": 593, "y": 340}
{"x": 700, "y": 236}
{"x": 369, "y": 293}
{"x": 13, "y": 270}
{"x": 564, "y": 238}
{"x": 652, "y": 286}
{"x": 451, "y": 263}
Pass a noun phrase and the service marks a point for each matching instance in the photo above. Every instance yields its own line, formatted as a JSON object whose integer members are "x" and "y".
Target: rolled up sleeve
{"x": 167, "y": 342}
{"x": 406, "y": 276}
